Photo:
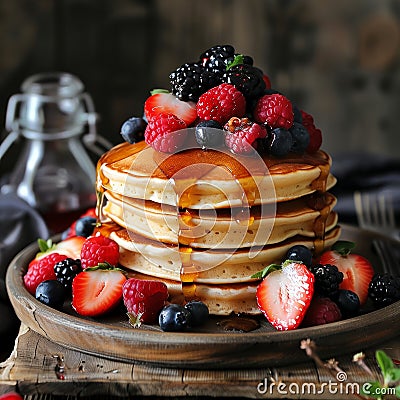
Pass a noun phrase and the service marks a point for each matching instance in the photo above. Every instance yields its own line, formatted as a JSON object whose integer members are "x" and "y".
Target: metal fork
{"x": 376, "y": 212}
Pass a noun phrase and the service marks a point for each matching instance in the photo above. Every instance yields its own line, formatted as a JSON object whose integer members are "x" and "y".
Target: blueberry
{"x": 209, "y": 134}
{"x": 279, "y": 142}
{"x": 132, "y": 130}
{"x": 297, "y": 114}
{"x": 199, "y": 312}
{"x": 348, "y": 302}
{"x": 301, "y": 138}
{"x": 52, "y": 293}
{"x": 300, "y": 253}
{"x": 174, "y": 318}
{"x": 85, "y": 226}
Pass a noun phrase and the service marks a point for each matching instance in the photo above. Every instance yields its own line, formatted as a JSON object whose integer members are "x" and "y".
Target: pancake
{"x": 204, "y": 222}
{"x": 197, "y": 179}
{"x": 220, "y": 299}
{"x": 206, "y": 266}
{"x": 222, "y": 228}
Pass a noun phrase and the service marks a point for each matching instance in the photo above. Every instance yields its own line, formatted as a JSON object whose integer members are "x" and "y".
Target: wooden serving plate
{"x": 210, "y": 346}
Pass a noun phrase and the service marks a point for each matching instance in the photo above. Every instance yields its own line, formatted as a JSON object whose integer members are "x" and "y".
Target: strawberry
{"x": 144, "y": 299}
{"x": 97, "y": 290}
{"x": 71, "y": 247}
{"x": 41, "y": 269}
{"x": 11, "y": 396}
{"x": 99, "y": 249}
{"x": 167, "y": 103}
{"x": 356, "y": 269}
{"x": 285, "y": 294}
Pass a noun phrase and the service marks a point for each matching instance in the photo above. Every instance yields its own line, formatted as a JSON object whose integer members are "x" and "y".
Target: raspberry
{"x": 315, "y": 133}
{"x": 221, "y": 103}
{"x": 99, "y": 249}
{"x": 241, "y": 133}
{"x": 274, "y": 109}
{"x": 41, "y": 270}
{"x": 165, "y": 132}
{"x": 144, "y": 299}
{"x": 322, "y": 310}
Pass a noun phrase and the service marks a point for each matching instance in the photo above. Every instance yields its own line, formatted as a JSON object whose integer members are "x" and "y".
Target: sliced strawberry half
{"x": 71, "y": 247}
{"x": 285, "y": 294}
{"x": 357, "y": 270}
{"x": 97, "y": 290}
{"x": 167, "y": 103}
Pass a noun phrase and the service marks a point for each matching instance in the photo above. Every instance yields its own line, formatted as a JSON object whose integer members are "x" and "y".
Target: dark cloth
{"x": 20, "y": 225}
{"x": 368, "y": 173}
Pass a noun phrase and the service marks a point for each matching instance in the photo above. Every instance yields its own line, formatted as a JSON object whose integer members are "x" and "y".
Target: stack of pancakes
{"x": 204, "y": 221}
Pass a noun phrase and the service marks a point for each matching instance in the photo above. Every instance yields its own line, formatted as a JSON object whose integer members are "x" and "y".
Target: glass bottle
{"x": 54, "y": 118}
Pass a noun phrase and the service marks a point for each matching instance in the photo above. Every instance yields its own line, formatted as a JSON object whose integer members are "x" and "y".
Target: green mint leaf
{"x": 343, "y": 247}
{"x": 267, "y": 270}
{"x": 385, "y": 362}
{"x": 239, "y": 59}
{"x": 157, "y": 91}
{"x": 44, "y": 245}
{"x": 392, "y": 375}
{"x": 397, "y": 394}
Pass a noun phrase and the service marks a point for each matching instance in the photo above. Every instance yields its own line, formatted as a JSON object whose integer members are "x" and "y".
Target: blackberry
{"x": 209, "y": 134}
{"x": 191, "y": 80}
{"x": 66, "y": 271}
{"x": 384, "y": 289}
{"x": 327, "y": 279}
{"x": 217, "y": 58}
{"x": 246, "y": 78}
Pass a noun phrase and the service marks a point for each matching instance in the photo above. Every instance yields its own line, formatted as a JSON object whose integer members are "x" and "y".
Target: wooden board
{"x": 212, "y": 346}
{"x": 31, "y": 369}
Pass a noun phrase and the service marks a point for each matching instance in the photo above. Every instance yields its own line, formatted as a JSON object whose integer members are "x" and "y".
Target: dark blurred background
{"x": 339, "y": 60}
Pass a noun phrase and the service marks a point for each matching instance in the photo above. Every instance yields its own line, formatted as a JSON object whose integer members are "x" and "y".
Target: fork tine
{"x": 360, "y": 212}
{"x": 390, "y": 263}
{"x": 388, "y": 208}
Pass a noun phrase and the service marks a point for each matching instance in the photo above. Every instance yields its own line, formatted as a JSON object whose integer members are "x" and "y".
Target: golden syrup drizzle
{"x": 106, "y": 228}
{"x": 184, "y": 170}
{"x": 322, "y": 203}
